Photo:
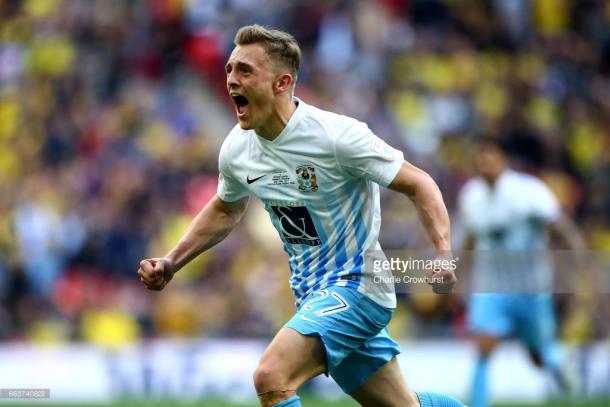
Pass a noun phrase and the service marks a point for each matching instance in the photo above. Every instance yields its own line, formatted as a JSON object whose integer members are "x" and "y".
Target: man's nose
{"x": 231, "y": 80}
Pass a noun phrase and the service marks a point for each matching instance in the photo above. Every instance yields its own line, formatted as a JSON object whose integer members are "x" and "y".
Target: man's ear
{"x": 283, "y": 83}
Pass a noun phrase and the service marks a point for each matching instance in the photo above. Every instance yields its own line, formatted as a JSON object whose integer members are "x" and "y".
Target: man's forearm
{"x": 567, "y": 230}
{"x": 211, "y": 225}
{"x": 428, "y": 200}
{"x": 433, "y": 213}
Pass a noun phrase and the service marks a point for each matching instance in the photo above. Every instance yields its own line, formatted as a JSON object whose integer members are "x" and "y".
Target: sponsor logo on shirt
{"x": 306, "y": 177}
{"x": 296, "y": 225}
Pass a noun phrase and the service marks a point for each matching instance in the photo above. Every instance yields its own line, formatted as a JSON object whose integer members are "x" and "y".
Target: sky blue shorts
{"x": 529, "y": 317}
{"x": 353, "y": 330}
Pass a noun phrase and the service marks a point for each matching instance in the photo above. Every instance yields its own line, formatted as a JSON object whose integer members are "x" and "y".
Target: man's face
{"x": 490, "y": 162}
{"x": 250, "y": 78}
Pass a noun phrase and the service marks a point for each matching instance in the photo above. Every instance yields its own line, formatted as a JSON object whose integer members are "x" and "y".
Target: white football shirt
{"x": 318, "y": 182}
{"x": 508, "y": 221}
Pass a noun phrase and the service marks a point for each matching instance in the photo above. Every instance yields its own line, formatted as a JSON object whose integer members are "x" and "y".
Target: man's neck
{"x": 278, "y": 121}
{"x": 492, "y": 181}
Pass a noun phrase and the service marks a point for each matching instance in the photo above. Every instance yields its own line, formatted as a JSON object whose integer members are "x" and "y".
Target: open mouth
{"x": 241, "y": 103}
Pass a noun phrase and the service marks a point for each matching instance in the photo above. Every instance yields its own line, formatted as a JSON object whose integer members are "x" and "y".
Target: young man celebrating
{"x": 317, "y": 174}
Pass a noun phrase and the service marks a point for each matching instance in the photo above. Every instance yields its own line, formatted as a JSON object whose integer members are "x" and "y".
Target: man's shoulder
{"x": 523, "y": 180}
{"x": 237, "y": 133}
{"x": 472, "y": 194}
{"x": 234, "y": 140}
{"x": 232, "y": 147}
{"x": 334, "y": 123}
{"x": 474, "y": 185}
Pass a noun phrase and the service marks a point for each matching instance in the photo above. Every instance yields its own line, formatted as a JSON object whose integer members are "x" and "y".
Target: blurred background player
{"x": 507, "y": 215}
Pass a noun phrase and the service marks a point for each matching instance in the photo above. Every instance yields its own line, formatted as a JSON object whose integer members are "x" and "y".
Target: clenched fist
{"x": 156, "y": 273}
{"x": 442, "y": 275}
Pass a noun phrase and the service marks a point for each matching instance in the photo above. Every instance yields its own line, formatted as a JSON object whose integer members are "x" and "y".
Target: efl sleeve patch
{"x": 382, "y": 149}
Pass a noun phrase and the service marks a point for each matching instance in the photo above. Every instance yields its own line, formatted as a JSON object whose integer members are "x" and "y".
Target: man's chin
{"x": 244, "y": 124}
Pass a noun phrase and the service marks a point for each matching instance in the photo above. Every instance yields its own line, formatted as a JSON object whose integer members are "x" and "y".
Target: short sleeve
{"x": 364, "y": 155}
{"x": 229, "y": 188}
{"x": 543, "y": 204}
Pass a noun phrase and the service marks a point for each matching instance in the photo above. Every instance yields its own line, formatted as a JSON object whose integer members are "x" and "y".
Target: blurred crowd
{"x": 112, "y": 114}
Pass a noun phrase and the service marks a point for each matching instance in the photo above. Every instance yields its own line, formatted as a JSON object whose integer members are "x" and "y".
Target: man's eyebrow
{"x": 240, "y": 65}
{"x": 244, "y": 65}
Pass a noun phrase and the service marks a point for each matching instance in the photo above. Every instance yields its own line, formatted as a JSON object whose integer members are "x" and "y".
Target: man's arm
{"x": 211, "y": 225}
{"x": 569, "y": 232}
{"x": 425, "y": 194}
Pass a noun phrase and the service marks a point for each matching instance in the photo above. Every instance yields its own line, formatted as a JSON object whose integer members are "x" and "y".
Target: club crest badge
{"x": 306, "y": 177}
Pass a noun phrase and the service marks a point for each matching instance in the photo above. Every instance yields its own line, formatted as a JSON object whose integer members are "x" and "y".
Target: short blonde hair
{"x": 281, "y": 46}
